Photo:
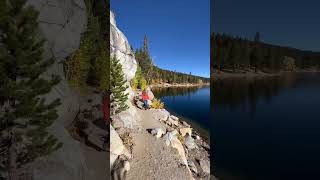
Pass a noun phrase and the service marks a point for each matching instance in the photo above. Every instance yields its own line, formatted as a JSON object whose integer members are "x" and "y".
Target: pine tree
{"x": 118, "y": 87}
{"x": 24, "y": 113}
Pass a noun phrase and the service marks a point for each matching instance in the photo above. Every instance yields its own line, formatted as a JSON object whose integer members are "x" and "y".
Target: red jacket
{"x": 145, "y": 96}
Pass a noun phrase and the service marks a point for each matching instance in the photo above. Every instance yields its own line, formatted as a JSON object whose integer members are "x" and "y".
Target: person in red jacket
{"x": 145, "y": 99}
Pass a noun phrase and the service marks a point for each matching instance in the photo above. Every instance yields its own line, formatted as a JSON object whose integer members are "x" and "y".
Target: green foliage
{"x": 142, "y": 83}
{"x": 89, "y": 65}
{"x": 25, "y": 114}
{"x": 102, "y": 69}
{"x": 157, "y": 104}
{"x": 118, "y": 87}
{"x": 138, "y": 81}
{"x": 77, "y": 66}
{"x": 134, "y": 83}
{"x": 236, "y": 54}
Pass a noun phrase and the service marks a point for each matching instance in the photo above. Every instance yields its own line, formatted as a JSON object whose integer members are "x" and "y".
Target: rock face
{"x": 61, "y": 24}
{"x": 120, "y": 47}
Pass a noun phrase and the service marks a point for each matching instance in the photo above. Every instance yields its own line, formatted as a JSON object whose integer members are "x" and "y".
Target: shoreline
{"x": 196, "y": 127}
{"x": 164, "y": 85}
{"x": 226, "y": 75}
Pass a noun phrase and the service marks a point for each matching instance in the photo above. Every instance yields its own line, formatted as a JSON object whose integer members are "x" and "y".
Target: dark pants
{"x": 145, "y": 104}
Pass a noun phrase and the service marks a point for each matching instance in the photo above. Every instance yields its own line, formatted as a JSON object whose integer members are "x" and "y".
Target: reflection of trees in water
{"x": 240, "y": 92}
{"x": 174, "y": 91}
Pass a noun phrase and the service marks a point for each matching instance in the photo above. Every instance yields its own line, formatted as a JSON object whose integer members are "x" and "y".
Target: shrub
{"x": 78, "y": 64}
{"x": 157, "y": 104}
{"x": 134, "y": 83}
{"x": 142, "y": 83}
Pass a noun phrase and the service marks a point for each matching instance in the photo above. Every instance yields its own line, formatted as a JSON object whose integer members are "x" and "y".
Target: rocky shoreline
{"x": 163, "y": 85}
{"x": 249, "y": 74}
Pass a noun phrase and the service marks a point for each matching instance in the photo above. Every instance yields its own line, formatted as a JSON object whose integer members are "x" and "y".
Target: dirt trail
{"x": 152, "y": 159}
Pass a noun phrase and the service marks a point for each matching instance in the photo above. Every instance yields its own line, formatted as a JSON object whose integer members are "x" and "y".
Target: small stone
{"x": 172, "y": 122}
{"x": 205, "y": 166}
{"x": 185, "y": 131}
{"x": 189, "y": 142}
{"x": 174, "y": 117}
{"x": 157, "y": 132}
{"x": 185, "y": 124}
{"x": 192, "y": 167}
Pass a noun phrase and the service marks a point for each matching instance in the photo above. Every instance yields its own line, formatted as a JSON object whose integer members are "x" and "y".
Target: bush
{"x": 134, "y": 83}
{"x": 78, "y": 64}
{"x": 157, "y": 104}
{"x": 142, "y": 83}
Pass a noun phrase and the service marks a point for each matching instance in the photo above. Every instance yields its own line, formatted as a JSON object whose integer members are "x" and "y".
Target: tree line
{"x": 153, "y": 74}
{"x": 236, "y": 54}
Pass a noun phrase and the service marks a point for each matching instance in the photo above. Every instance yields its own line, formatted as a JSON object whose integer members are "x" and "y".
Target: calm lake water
{"x": 266, "y": 129}
{"x": 192, "y": 103}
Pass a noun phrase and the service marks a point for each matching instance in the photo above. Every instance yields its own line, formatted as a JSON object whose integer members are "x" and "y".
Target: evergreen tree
{"x": 118, "y": 87}
{"x": 24, "y": 112}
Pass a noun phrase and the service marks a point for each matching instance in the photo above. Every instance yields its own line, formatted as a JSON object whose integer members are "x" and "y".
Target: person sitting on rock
{"x": 145, "y": 99}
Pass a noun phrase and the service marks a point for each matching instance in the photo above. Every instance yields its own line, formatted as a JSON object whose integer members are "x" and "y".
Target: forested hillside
{"x": 235, "y": 53}
{"x": 153, "y": 74}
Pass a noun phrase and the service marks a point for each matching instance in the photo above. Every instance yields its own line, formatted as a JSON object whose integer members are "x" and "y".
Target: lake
{"x": 266, "y": 128}
{"x": 191, "y": 103}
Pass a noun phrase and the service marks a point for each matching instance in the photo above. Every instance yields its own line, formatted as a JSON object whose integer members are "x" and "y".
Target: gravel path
{"x": 152, "y": 158}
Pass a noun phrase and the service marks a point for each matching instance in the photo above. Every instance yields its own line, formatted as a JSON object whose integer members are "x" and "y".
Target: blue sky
{"x": 284, "y": 22}
{"x": 178, "y": 31}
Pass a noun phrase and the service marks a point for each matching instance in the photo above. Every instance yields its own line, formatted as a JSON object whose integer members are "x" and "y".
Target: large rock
{"x": 116, "y": 144}
{"x": 172, "y": 140}
{"x": 189, "y": 142}
{"x": 61, "y": 24}
{"x": 160, "y": 114}
{"x": 120, "y": 47}
{"x": 205, "y": 166}
{"x": 126, "y": 119}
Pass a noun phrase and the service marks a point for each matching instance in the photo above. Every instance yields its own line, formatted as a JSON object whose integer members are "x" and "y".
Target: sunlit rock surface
{"x": 120, "y": 47}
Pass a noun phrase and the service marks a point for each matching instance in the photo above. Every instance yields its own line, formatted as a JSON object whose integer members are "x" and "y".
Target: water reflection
{"x": 244, "y": 93}
{"x": 266, "y": 128}
{"x": 174, "y": 91}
